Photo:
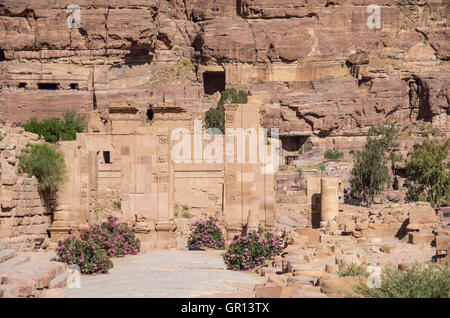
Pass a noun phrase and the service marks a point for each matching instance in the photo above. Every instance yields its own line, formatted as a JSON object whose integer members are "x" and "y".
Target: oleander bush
{"x": 252, "y": 250}
{"x": 93, "y": 249}
{"x": 116, "y": 238}
{"x": 90, "y": 257}
{"x": 206, "y": 233}
{"x": 427, "y": 280}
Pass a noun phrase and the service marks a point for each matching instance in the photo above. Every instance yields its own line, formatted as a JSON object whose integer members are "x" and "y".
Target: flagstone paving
{"x": 168, "y": 274}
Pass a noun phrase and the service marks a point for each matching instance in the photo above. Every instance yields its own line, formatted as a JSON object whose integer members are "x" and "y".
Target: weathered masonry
{"x": 133, "y": 163}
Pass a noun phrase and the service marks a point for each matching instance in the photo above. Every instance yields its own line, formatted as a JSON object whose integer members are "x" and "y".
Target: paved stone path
{"x": 167, "y": 274}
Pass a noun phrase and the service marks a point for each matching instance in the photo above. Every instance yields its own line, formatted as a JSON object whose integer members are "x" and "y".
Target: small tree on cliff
{"x": 215, "y": 116}
{"x": 370, "y": 171}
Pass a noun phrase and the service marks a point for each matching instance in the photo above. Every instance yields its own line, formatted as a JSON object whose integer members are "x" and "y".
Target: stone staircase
{"x": 30, "y": 274}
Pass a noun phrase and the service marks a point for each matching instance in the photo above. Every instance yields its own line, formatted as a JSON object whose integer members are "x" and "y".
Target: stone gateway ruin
{"x": 135, "y": 163}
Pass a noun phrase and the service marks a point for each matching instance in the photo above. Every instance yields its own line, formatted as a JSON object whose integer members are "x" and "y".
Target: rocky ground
{"x": 386, "y": 235}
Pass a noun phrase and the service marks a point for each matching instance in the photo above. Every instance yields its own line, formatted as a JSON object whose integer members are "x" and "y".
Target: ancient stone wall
{"x": 24, "y": 213}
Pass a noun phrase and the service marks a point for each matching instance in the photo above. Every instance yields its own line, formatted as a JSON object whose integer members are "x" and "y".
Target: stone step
{"x": 17, "y": 260}
{"x": 9, "y": 291}
{"x": 6, "y": 255}
{"x": 41, "y": 271}
{"x": 60, "y": 281}
{"x": 26, "y": 284}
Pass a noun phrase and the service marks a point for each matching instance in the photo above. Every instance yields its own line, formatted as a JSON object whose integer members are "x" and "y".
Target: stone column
{"x": 329, "y": 198}
{"x": 62, "y": 224}
{"x": 233, "y": 171}
{"x": 163, "y": 224}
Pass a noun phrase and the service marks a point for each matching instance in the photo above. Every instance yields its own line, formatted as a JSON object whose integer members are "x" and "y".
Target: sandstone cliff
{"x": 323, "y": 67}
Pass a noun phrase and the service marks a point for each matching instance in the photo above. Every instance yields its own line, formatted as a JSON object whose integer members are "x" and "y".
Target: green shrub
{"x": 186, "y": 215}
{"x": 206, "y": 233}
{"x": 370, "y": 171}
{"x": 117, "y": 205}
{"x": 333, "y": 155}
{"x": 90, "y": 257}
{"x": 420, "y": 281}
{"x": 46, "y": 164}
{"x": 247, "y": 252}
{"x": 352, "y": 270}
{"x": 299, "y": 171}
{"x": 322, "y": 167}
{"x": 215, "y": 116}
{"x": 55, "y": 129}
{"x": 428, "y": 175}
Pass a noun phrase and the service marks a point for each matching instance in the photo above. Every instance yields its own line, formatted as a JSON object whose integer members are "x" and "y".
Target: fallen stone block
{"x": 52, "y": 293}
{"x": 340, "y": 287}
{"x": 386, "y": 249}
{"x": 273, "y": 292}
{"x": 300, "y": 280}
{"x": 420, "y": 238}
{"x": 6, "y": 255}
{"x": 442, "y": 242}
{"x": 9, "y": 291}
{"x": 313, "y": 235}
{"x": 26, "y": 284}
{"x": 371, "y": 233}
{"x": 60, "y": 281}
{"x": 302, "y": 293}
{"x": 423, "y": 214}
{"x": 355, "y": 259}
{"x": 331, "y": 268}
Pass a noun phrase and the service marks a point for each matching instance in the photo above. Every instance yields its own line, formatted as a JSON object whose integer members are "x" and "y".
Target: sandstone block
{"x": 422, "y": 214}
{"x": 273, "y": 291}
{"x": 9, "y": 291}
{"x": 371, "y": 233}
{"x": 302, "y": 293}
{"x": 341, "y": 287}
{"x": 313, "y": 235}
{"x": 52, "y": 293}
{"x": 26, "y": 284}
{"x": 442, "y": 242}
{"x": 420, "y": 238}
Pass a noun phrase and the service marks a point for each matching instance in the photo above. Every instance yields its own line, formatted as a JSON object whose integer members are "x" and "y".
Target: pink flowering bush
{"x": 117, "y": 239}
{"x": 247, "y": 252}
{"x": 206, "y": 233}
{"x": 91, "y": 258}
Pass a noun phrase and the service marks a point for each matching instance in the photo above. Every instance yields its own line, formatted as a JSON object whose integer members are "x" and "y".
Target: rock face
{"x": 318, "y": 66}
